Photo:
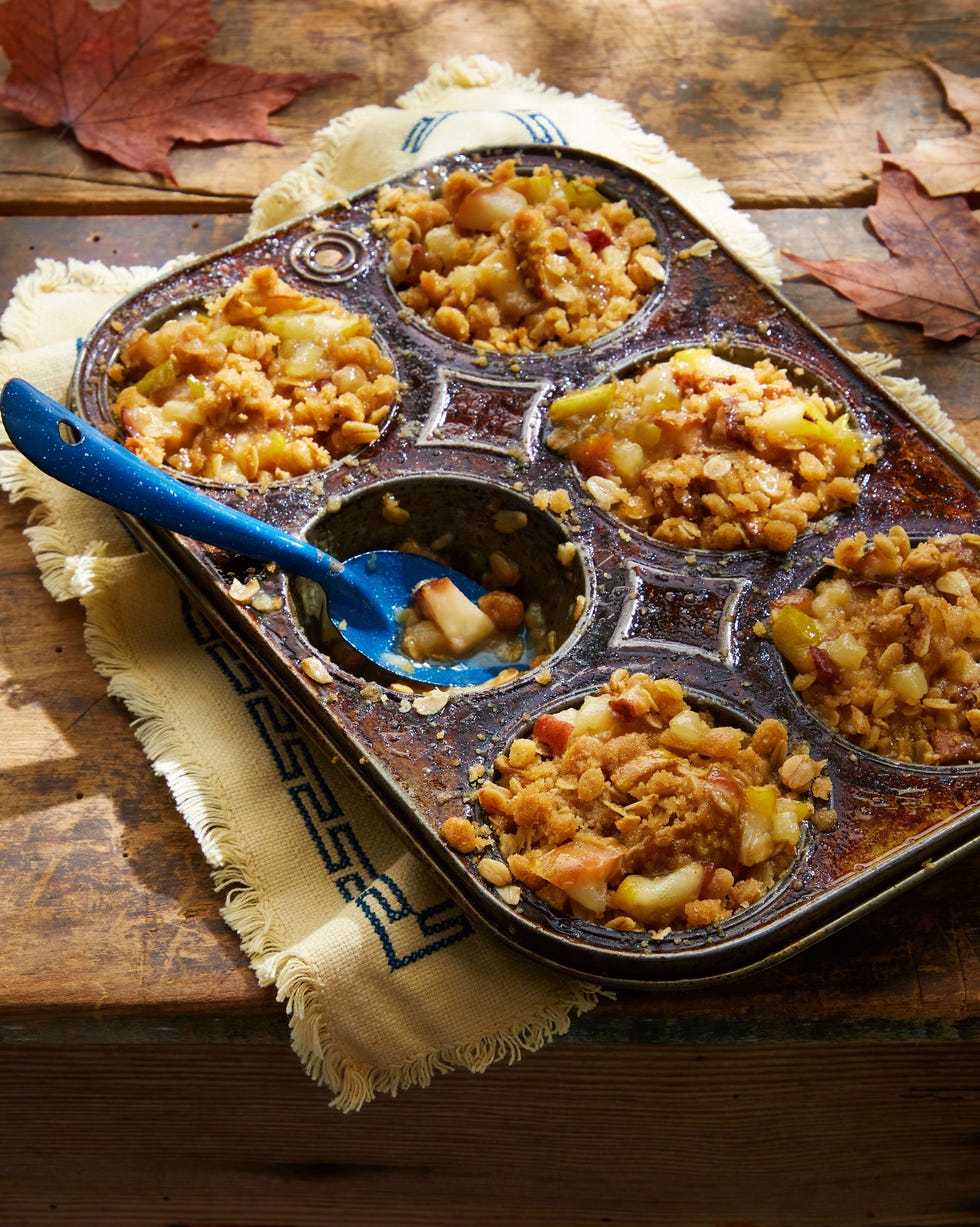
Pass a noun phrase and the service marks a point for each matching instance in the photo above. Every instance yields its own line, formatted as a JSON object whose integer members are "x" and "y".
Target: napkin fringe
{"x": 165, "y": 749}
{"x": 355, "y": 1084}
{"x": 65, "y": 575}
{"x": 472, "y": 72}
{"x": 72, "y": 276}
{"x": 305, "y": 188}
{"x": 917, "y": 399}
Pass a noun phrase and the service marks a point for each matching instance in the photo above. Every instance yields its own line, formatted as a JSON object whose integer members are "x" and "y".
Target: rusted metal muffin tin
{"x": 468, "y": 438}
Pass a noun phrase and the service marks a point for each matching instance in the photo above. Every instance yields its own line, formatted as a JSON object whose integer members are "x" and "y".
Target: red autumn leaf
{"x": 933, "y": 276}
{"x": 132, "y": 80}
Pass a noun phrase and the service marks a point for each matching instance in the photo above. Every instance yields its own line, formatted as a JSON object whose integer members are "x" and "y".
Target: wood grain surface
{"x": 780, "y": 101}
{"x": 683, "y": 1135}
{"x": 146, "y": 1077}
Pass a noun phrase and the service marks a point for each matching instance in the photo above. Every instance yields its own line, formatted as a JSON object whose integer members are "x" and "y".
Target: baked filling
{"x": 702, "y": 452}
{"x": 518, "y": 263}
{"x": 263, "y": 383}
{"x": 637, "y": 810}
{"x": 886, "y": 651}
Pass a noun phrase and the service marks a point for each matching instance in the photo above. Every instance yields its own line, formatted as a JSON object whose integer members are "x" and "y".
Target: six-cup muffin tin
{"x": 466, "y": 440}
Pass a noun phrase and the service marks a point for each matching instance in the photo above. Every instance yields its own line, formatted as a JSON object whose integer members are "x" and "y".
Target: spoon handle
{"x": 77, "y": 453}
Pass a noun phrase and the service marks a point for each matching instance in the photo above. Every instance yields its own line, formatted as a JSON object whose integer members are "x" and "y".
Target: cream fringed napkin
{"x": 384, "y": 980}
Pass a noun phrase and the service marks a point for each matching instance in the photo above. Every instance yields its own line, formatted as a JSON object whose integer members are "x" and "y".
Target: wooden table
{"x": 146, "y": 1078}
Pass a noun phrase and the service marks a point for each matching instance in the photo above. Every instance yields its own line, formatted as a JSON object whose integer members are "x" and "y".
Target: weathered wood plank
{"x": 950, "y": 370}
{"x": 151, "y": 1135}
{"x": 782, "y": 104}
{"x": 103, "y": 883}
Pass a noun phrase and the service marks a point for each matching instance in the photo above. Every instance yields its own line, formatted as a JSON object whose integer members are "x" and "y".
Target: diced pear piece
{"x": 488, "y": 207}
{"x": 657, "y": 901}
{"x": 160, "y": 376}
{"x": 629, "y": 459}
{"x": 441, "y": 242}
{"x": 581, "y": 869}
{"x": 595, "y": 715}
{"x": 302, "y": 359}
{"x": 499, "y": 278}
{"x": 554, "y": 730}
{"x": 909, "y": 682}
{"x": 534, "y": 188}
{"x": 794, "y": 633}
{"x": 583, "y": 402}
{"x": 463, "y": 623}
{"x": 758, "y": 818}
{"x": 768, "y": 821}
{"x": 658, "y": 389}
{"x": 583, "y": 195}
{"x": 846, "y": 651}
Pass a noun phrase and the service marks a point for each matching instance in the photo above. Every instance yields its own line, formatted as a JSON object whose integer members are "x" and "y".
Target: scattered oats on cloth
{"x": 384, "y": 980}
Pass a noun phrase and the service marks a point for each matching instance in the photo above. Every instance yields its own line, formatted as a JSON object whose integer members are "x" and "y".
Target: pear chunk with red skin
{"x": 554, "y": 731}
{"x": 595, "y": 714}
{"x": 581, "y": 869}
{"x": 463, "y": 623}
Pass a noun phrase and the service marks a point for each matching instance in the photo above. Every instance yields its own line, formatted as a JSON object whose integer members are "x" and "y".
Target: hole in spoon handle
{"x": 69, "y": 432}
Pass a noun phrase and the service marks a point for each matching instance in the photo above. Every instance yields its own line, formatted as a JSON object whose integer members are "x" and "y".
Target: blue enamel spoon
{"x": 364, "y": 593}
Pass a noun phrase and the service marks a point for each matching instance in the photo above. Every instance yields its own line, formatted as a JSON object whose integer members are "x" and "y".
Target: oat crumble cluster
{"x": 702, "y": 452}
{"x": 518, "y": 263}
{"x": 262, "y": 384}
{"x": 887, "y": 650}
{"x": 639, "y": 812}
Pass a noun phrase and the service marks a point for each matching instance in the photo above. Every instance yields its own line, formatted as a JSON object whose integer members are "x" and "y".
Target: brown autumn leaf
{"x": 949, "y": 165}
{"x": 933, "y": 275}
{"x": 133, "y": 80}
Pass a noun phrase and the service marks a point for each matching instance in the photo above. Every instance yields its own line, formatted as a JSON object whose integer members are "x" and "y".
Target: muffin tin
{"x": 467, "y": 440}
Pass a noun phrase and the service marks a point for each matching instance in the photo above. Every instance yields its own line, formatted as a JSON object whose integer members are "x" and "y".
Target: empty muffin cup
{"x": 497, "y": 538}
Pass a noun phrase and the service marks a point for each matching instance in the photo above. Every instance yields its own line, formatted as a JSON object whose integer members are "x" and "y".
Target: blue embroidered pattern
{"x": 436, "y": 927}
{"x": 422, "y": 129}
{"x": 541, "y": 128}
{"x": 405, "y": 933}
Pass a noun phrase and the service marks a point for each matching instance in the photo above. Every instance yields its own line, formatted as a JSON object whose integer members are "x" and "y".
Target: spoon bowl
{"x": 365, "y": 594}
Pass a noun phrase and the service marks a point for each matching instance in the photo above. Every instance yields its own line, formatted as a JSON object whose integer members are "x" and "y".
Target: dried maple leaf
{"x": 950, "y": 165}
{"x": 132, "y": 80}
{"x": 933, "y": 276}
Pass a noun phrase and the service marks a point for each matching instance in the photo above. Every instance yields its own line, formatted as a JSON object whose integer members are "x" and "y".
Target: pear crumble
{"x": 886, "y": 650}
{"x": 518, "y": 263}
{"x": 638, "y": 811}
{"x": 263, "y": 383}
{"x": 702, "y": 452}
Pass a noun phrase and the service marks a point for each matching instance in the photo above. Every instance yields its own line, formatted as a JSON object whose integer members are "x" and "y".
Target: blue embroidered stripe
{"x": 405, "y": 933}
{"x": 541, "y": 128}
{"x": 402, "y": 929}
